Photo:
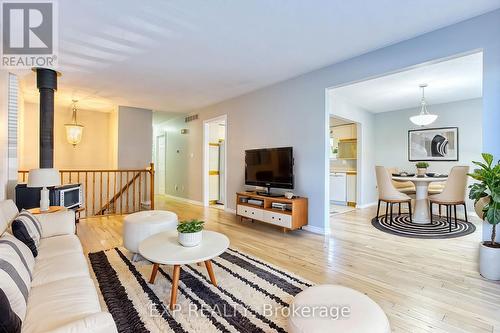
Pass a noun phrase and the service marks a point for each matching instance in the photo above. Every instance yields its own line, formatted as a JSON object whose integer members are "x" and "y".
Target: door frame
{"x": 206, "y": 184}
{"x": 157, "y": 158}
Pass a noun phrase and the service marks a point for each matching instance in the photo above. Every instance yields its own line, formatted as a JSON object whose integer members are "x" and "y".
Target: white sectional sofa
{"x": 62, "y": 295}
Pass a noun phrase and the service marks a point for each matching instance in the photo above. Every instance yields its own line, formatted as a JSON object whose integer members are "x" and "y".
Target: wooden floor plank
{"x": 422, "y": 285}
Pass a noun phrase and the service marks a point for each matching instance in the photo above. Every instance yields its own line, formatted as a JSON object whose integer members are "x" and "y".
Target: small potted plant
{"x": 190, "y": 232}
{"x": 421, "y": 168}
{"x": 486, "y": 196}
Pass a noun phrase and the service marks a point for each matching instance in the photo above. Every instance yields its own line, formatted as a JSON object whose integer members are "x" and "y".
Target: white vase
{"x": 489, "y": 262}
{"x": 421, "y": 171}
{"x": 190, "y": 239}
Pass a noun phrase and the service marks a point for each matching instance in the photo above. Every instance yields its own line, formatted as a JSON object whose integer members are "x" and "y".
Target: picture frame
{"x": 433, "y": 144}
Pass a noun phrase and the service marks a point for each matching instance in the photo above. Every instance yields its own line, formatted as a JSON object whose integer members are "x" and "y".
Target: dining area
{"x": 422, "y": 204}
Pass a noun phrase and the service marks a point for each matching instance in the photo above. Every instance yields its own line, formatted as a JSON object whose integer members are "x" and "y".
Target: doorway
{"x": 343, "y": 158}
{"x": 214, "y": 171}
{"x": 161, "y": 159}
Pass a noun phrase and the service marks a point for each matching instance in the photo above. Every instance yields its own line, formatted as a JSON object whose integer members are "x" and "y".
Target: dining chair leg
{"x": 440, "y": 215}
{"x": 430, "y": 209}
{"x": 448, "y": 215}
{"x": 465, "y": 212}
{"x": 386, "y": 210}
{"x": 455, "y": 211}
{"x": 391, "y": 215}
{"x": 399, "y": 208}
{"x": 378, "y": 209}
{"x": 409, "y": 210}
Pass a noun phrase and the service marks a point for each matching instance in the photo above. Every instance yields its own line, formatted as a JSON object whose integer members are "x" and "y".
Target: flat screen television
{"x": 269, "y": 167}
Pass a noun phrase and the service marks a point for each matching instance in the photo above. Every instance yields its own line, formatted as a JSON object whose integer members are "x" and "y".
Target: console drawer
{"x": 283, "y": 220}
{"x": 250, "y": 212}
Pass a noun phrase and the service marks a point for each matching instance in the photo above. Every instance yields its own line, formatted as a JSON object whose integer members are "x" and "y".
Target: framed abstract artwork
{"x": 433, "y": 144}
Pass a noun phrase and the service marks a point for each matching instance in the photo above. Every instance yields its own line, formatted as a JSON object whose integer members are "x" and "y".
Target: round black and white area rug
{"x": 401, "y": 226}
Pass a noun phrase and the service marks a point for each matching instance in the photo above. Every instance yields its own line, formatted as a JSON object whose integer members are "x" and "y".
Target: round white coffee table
{"x": 421, "y": 214}
{"x": 164, "y": 249}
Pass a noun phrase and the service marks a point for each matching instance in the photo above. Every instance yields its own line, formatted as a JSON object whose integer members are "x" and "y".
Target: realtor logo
{"x": 28, "y": 34}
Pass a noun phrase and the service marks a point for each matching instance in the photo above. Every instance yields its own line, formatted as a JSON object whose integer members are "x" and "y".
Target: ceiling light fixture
{"x": 74, "y": 130}
{"x": 424, "y": 118}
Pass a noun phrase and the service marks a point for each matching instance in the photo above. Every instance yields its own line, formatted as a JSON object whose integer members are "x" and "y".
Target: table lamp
{"x": 44, "y": 178}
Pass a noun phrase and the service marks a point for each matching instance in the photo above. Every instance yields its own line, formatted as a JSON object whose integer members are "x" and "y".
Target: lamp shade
{"x": 423, "y": 119}
{"x": 43, "y": 178}
{"x": 74, "y": 133}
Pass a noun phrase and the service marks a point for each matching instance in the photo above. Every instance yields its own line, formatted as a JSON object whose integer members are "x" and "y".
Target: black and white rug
{"x": 439, "y": 228}
{"x": 252, "y": 296}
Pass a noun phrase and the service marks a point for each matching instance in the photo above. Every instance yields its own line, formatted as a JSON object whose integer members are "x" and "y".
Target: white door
{"x": 161, "y": 157}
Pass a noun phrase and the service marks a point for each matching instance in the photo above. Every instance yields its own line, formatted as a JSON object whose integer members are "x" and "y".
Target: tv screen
{"x": 271, "y": 167}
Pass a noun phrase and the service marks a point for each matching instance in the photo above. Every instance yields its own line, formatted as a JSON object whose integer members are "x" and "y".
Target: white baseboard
{"x": 230, "y": 210}
{"x": 315, "y": 230}
{"x": 367, "y": 205}
{"x": 194, "y": 202}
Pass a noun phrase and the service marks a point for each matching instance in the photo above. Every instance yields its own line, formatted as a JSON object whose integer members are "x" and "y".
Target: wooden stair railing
{"x": 113, "y": 191}
{"x": 117, "y": 195}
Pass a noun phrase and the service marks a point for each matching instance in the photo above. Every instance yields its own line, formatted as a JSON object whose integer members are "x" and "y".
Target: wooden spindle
{"x": 127, "y": 189}
{"x": 152, "y": 185}
{"x": 86, "y": 194}
{"x": 107, "y": 190}
{"x": 140, "y": 186}
{"x": 93, "y": 192}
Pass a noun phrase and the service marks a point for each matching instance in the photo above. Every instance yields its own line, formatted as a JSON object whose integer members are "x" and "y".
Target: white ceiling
{"x": 184, "y": 54}
{"x": 448, "y": 81}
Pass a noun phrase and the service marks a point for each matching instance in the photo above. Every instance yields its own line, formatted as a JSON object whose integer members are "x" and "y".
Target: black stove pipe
{"x": 46, "y": 81}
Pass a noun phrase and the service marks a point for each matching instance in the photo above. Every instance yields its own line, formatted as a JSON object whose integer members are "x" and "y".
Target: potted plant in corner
{"x": 421, "y": 168}
{"x": 190, "y": 232}
{"x": 486, "y": 196}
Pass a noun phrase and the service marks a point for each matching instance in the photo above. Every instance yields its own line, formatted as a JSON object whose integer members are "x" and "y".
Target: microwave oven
{"x": 69, "y": 196}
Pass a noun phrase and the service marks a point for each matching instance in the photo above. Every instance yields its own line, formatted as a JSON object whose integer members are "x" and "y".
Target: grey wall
{"x": 135, "y": 137}
{"x": 184, "y": 158}
{"x": 391, "y": 138}
{"x": 293, "y": 112}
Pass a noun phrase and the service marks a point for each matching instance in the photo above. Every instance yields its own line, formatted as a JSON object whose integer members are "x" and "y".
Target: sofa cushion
{"x": 16, "y": 265}
{"x": 24, "y": 253}
{"x": 60, "y": 267}
{"x": 9, "y": 321}
{"x": 28, "y": 230}
{"x": 58, "y": 245}
{"x": 58, "y": 223}
{"x": 58, "y": 303}
{"x": 8, "y": 211}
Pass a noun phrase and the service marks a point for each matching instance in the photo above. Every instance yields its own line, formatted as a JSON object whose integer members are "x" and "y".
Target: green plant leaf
{"x": 495, "y": 194}
{"x": 477, "y": 191}
{"x": 493, "y": 213}
{"x": 488, "y": 158}
{"x": 482, "y": 165}
{"x": 190, "y": 226}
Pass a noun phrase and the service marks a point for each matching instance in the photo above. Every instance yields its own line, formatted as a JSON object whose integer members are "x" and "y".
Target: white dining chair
{"x": 389, "y": 194}
{"x": 453, "y": 194}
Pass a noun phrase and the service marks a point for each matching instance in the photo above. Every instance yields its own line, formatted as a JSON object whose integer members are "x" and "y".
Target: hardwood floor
{"x": 422, "y": 285}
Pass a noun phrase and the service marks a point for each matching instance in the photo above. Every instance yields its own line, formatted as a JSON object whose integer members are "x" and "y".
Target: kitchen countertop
{"x": 349, "y": 172}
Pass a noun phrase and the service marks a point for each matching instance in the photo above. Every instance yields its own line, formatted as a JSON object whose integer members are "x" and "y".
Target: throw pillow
{"x": 9, "y": 321}
{"x": 28, "y": 230}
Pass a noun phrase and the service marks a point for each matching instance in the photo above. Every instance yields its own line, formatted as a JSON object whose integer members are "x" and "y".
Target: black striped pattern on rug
{"x": 250, "y": 296}
{"x": 439, "y": 229}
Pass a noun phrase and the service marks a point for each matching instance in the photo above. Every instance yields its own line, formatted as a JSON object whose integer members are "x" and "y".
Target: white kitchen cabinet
{"x": 344, "y": 132}
{"x": 338, "y": 186}
{"x": 351, "y": 188}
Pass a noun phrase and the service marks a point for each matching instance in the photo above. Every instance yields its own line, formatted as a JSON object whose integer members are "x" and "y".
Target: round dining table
{"x": 421, "y": 213}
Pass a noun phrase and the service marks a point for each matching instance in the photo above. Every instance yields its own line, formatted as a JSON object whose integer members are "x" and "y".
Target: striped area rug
{"x": 252, "y": 295}
{"x": 439, "y": 228}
